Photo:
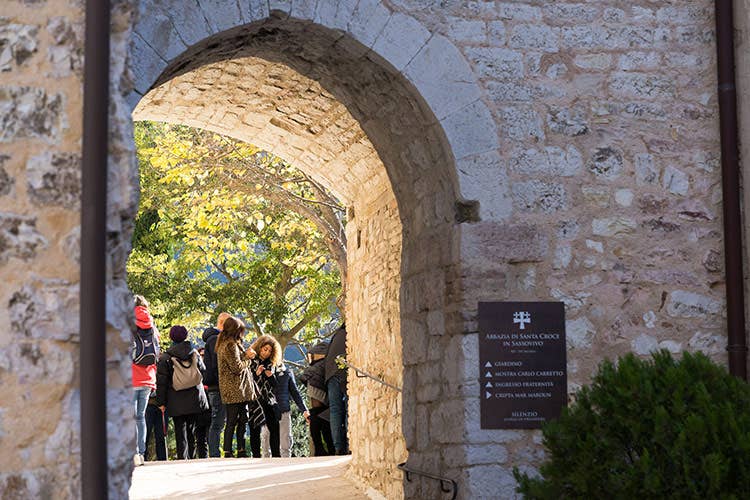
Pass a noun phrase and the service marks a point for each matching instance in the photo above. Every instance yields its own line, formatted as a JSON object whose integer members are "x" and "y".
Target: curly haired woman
{"x": 264, "y": 367}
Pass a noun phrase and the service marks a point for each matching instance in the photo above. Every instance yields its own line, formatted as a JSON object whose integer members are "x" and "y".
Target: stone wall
{"x": 524, "y": 150}
{"x": 742, "y": 68}
{"x": 40, "y": 127}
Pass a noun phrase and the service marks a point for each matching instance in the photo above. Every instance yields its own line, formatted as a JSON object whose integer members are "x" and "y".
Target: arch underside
{"x": 323, "y": 102}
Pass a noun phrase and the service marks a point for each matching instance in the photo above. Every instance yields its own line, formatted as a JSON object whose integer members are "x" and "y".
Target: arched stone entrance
{"x": 336, "y": 97}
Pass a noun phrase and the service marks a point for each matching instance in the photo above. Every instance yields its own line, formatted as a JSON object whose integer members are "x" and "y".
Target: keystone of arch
{"x": 431, "y": 62}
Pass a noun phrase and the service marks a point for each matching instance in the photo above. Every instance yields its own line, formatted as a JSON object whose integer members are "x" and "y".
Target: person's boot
{"x": 241, "y": 453}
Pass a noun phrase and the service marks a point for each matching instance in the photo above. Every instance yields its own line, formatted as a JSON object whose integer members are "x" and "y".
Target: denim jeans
{"x": 218, "y": 418}
{"x": 155, "y": 422}
{"x": 140, "y": 400}
{"x": 337, "y": 400}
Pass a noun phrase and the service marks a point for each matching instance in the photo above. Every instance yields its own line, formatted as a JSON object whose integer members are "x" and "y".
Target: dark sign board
{"x": 522, "y": 367}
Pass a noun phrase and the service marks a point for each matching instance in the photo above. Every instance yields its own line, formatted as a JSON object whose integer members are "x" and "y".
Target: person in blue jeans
{"x": 211, "y": 381}
{"x": 337, "y": 396}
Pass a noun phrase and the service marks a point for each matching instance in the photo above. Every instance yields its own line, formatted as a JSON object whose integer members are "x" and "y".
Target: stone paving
{"x": 311, "y": 477}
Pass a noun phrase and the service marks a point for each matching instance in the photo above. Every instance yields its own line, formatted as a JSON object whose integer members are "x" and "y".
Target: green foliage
{"x": 300, "y": 427}
{"x": 223, "y": 226}
{"x": 658, "y": 428}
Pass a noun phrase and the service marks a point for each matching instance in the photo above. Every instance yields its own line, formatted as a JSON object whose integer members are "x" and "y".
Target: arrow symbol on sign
{"x": 487, "y": 395}
{"x": 488, "y": 365}
{"x": 488, "y": 374}
{"x": 489, "y": 384}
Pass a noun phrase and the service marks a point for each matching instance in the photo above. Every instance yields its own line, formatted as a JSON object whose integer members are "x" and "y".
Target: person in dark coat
{"x": 211, "y": 381}
{"x": 286, "y": 391}
{"x": 263, "y": 367}
{"x": 336, "y": 388}
{"x": 186, "y": 405}
{"x": 314, "y": 378}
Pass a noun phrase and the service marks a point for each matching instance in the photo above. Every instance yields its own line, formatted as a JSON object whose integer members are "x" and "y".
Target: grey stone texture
{"x": 27, "y": 112}
{"x": 583, "y": 134}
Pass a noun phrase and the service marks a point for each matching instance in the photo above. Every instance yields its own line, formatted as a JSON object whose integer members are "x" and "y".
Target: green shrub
{"x": 658, "y": 428}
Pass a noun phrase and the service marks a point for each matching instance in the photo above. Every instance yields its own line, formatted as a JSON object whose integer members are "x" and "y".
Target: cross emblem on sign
{"x": 521, "y": 317}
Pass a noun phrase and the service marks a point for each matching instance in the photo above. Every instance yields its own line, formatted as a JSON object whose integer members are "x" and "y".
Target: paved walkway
{"x": 256, "y": 478}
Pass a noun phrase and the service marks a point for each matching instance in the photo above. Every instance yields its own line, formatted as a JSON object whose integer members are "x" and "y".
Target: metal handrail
{"x": 444, "y": 482}
{"x": 363, "y": 374}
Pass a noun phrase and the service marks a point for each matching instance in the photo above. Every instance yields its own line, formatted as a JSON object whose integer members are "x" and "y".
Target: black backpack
{"x": 145, "y": 351}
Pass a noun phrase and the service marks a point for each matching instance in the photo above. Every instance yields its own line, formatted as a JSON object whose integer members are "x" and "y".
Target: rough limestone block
{"x": 471, "y": 130}
{"x": 642, "y": 86}
{"x": 368, "y": 20}
{"x": 253, "y": 10}
{"x": 613, "y": 226}
{"x": 579, "y": 333}
{"x": 522, "y": 123}
{"x": 675, "y": 181}
{"x": 563, "y": 13}
{"x": 461, "y": 456}
{"x": 30, "y": 113}
{"x": 188, "y": 20}
{"x": 34, "y": 362}
{"x": 334, "y": 15}
{"x": 6, "y": 181}
{"x": 496, "y": 63}
{"x": 303, "y": 9}
{"x": 18, "y": 42}
{"x": 221, "y": 15}
{"x": 45, "y": 309}
{"x": 486, "y": 244}
{"x": 19, "y": 237}
{"x": 534, "y": 37}
{"x": 55, "y": 179}
{"x": 551, "y": 160}
{"x": 155, "y": 29}
{"x": 483, "y": 177}
{"x": 443, "y": 77}
{"x": 685, "y": 304}
{"x": 148, "y": 65}
{"x": 519, "y": 12}
{"x": 644, "y": 344}
{"x": 490, "y": 481}
{"x": 66, "y": 55}
{"x": 539, "y": 196}
{"x": 400, "y": 40}
{"x": 469, "y": 31}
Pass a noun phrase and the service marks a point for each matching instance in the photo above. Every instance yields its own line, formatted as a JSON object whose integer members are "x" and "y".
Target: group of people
{"x": 228, "y": 388}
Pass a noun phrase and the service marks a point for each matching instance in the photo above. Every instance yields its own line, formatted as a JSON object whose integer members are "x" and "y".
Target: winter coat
{"x": 286, "y": 387}
{"x": 211, "y": 377}
{"x": 235, "y": 382}
{"x": 314, "y": 378}
{"x": 337, "y": 348}
{"x": 184, "y": 402}
{"x": 266, "y": 385}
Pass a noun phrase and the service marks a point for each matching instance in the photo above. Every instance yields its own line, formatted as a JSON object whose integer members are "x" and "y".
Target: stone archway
{"x": 349, "y": 113}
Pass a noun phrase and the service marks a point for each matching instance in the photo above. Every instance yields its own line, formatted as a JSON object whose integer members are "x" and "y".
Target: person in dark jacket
{"x": 211, "y": 381}
{"x": 336, "y": 388}
{"x": 186, "y": 405}
{"x": 264, "y": 367}
{"x": 286, "y": 388}
{"x": 314, "y": 378}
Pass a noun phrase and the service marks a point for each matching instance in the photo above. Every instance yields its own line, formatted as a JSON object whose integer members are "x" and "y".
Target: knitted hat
{"x": 178, "y": 333}
{"x": 319, "y": 348}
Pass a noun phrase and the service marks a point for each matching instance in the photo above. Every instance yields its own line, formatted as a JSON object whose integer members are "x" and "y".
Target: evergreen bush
{"x": 656, "y": 428}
